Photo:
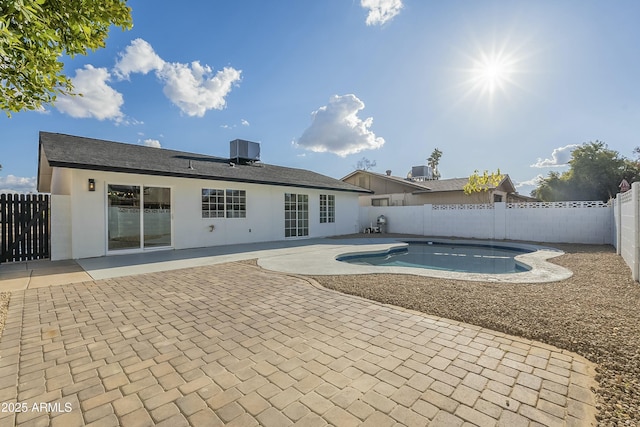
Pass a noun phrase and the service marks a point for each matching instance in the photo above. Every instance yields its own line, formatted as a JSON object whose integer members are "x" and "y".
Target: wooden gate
{"x": 24, "y": 226}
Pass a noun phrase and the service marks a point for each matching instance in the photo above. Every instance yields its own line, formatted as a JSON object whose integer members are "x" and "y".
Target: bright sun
{"x": 492, "y": 72}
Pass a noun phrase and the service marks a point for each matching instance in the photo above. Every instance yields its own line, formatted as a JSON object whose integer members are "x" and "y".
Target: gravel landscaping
{"x": 595, "y": 313}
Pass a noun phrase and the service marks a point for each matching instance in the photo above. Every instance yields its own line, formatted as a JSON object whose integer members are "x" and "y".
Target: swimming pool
{"x": 484, "y": 258}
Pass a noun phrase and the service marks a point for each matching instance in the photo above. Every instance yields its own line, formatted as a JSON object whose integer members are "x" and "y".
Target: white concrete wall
{"x": 60, "y": 227}
{"x": 627, "y": 223}
{"x": 408, "y": 219}
{"x": 566, "y": 222}
{"x": 561, "y": 222}
{"x": 81, "y": 229}
{"x": 475, "y": 220}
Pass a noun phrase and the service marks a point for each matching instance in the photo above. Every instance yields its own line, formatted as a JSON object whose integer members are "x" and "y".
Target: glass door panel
{"x": 124, "y": 217}
{"x": 157, "y": 217}
{"x": 296, "y": 215}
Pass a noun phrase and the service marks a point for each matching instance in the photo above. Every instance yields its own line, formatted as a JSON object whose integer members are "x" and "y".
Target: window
{"x": 296, "y": 215}
{"x": 212, "y": 203}
{"x": 236, "y": 204}
{"x": 379, "y": 202}
{"x": 224, "y": 203}
{"x": 327, "y": 208}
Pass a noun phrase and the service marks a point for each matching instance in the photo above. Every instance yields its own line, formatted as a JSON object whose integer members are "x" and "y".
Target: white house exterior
{"x": 113, "y": 198}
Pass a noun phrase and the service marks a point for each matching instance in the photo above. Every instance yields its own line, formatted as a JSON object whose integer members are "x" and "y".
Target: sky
{"x": 322, "y": 85}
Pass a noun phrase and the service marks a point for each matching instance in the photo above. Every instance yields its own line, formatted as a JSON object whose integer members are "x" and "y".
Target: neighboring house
{"x": 391, "y": 190}
{"x": 113, "y": 198}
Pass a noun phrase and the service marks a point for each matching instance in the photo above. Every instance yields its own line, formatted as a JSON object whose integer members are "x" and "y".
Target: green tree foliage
{"x": 433, "y": 161}
{"x": 35, "y": 34}
{"x": 595, "y": 173}
{"x": 482, "y": 183}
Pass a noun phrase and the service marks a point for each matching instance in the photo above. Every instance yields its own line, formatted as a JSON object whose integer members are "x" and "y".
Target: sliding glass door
{"x": 129, "y": 226}
{"x": 123, "y": 217}
{"x": 157, "y": 217}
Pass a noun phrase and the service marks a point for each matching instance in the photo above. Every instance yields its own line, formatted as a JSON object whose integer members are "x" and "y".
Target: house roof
{"x": 77, "y": 152}
{"x": 433, "y": 186}
{"x": 413, "y": 184}
{"x": 457, "y": 184}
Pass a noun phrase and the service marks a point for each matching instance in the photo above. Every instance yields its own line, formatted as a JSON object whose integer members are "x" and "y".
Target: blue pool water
{"x": 461, "y": 257}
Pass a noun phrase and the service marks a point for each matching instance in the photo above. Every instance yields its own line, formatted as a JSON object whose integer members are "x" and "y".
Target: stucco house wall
{"x": 82, "y": 226}
{"x": 79, "y": 219}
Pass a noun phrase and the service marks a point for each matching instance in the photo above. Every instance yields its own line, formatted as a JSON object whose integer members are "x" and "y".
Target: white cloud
{"x": 559, "y": 157}
{"x": 151, "y": 143}
{"x": 138, "y": 57}
{"x": 97, "y": 99}
{"x": 244, "y": 122}
{"x": 16, "y": 184}
{"x": 194, "y": 89}
{"x": 532, "y": 182}
{"x": 336, "y": 128}
{"x": 381, "y": 11}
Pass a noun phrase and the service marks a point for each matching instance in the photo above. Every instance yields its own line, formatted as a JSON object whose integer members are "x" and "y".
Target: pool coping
{"x": 322, "y": 261}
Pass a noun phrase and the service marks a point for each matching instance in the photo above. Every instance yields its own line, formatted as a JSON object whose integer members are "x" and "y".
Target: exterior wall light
{"x": 92, "y": 184}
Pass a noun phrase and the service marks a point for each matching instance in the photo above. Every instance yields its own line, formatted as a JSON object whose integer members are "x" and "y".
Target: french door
{"x": 138, "y": 217}
{"x": 296, "y": 215}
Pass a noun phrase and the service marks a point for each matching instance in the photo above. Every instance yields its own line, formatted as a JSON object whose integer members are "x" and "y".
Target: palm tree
{"x": 433, "y": 161}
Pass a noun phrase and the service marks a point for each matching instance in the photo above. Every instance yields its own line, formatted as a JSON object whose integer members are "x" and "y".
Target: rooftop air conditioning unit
{"x": 421, "y": 173}
{"x": 243, "y": 152}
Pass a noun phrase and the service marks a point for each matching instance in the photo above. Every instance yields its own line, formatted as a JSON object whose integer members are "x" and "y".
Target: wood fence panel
{"x": 24, "y": 227}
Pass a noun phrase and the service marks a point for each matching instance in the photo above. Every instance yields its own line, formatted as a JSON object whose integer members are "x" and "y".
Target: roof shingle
{"x": 93, "y": 154}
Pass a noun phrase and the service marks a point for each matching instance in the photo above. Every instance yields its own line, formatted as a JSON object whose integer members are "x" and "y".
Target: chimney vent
{"x": 388, "y": 171}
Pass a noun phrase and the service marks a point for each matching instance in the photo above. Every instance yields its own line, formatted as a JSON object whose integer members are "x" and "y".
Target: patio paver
{"x": 234, "y": 344}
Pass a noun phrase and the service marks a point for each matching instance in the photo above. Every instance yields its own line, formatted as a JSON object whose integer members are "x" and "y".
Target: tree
{"x": 34, "y": 35}
{"x": 595, "y": 173}
{"x": 433, "y": 161}
{"x": 482, "y": 183}
{"x": 365, "y": 164}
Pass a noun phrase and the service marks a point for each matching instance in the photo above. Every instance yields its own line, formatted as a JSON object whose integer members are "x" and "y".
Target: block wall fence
{"x": 626, "y": 208}
{"x": 553, "y": 222}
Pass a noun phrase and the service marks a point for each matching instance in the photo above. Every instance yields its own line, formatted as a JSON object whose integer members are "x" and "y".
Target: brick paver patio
{"x": 236, "y": 345}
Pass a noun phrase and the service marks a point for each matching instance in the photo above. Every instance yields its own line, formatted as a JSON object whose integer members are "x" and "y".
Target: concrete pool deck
{"x": 307, "y": 257}
{"x": 233, "y": 344}
{"x": 322, "y": 261}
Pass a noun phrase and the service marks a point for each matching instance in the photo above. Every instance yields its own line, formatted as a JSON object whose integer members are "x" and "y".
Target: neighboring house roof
{"x": 433, "y": 186}
{"x": 438, "y": 185}
{"x": 457, "y": 184}
{"x": 68, "y": 151}
{"x": 416, "y": 185}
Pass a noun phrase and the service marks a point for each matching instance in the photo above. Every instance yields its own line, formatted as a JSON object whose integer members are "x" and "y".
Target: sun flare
{"x": 492, "y": 73}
